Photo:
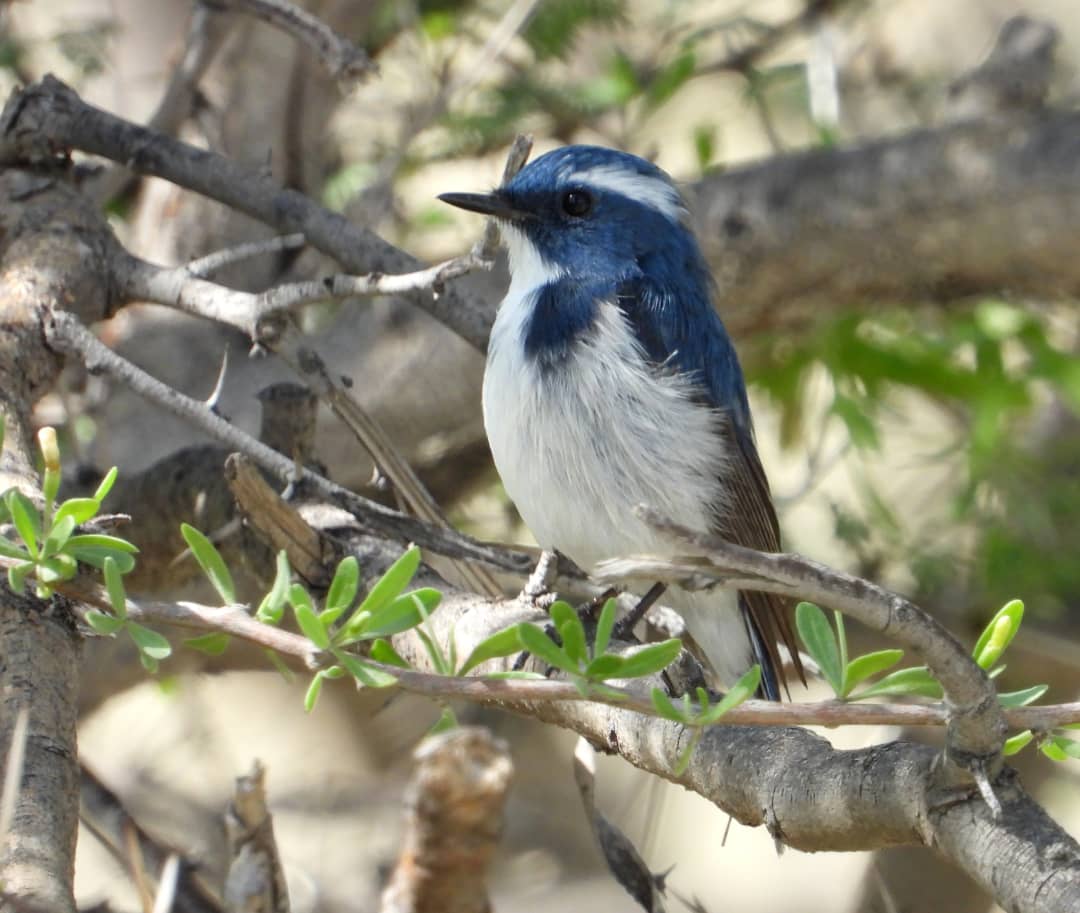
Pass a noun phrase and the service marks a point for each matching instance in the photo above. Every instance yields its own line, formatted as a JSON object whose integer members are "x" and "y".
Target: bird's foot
{"x": 538, "y": 589}
{"x": 625, "y": 625}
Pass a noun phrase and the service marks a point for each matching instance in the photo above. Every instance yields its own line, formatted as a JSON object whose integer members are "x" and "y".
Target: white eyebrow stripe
{"x": 652, "y": 191}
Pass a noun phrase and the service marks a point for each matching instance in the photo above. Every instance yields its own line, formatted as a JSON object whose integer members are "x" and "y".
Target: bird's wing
{"x": 679, "y": 329}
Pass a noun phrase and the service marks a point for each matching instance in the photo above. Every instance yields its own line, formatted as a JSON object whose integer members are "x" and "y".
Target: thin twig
{"x": 255, "y": 315}
{"x": 49, "y": 116}
{"x": 167, "y": 882}
{"x": 68, "y": 335}
{"x": 237, "y": 621}
{"x": 207, "y": 32}
{"x": 219, "y": 259}
{"x": 342, "y": 59}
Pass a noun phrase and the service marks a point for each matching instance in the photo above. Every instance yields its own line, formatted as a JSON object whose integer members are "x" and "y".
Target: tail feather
{"x": 770, "y": 677}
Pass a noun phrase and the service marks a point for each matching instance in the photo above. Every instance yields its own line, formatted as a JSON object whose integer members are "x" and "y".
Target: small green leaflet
{"x": 210, "y": 561}
{"x": 820, "y": 642}
{"x": 308, "y": 622}
{"x": 503, "y": 643}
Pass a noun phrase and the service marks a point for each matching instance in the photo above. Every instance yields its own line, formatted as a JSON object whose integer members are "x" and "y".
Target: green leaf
{"x": 668, "y": 80}
{"x": 8, "y": 550}
{"x": 405, "y": 612}
{"x": 820, "y": 642}
{"x": 27, "y": 520}
{"x": 96, "y": 555}
{"x": 114, "y": 585}
{"x": 149, "y": 642}
{"x": 392, "y": 583}
{"x": 745, "y": 688}
{"x": 213, "y": 644}
{"x": 99, "y": 540}
{"x": 313, "y": 691}
{"x": 79, "y": 509}
{"x": 651, "y": 659}
{"x": 273, "y": 604}
{"x": 561, "y": 613}
{"x": 536, "y": 642}
{"x": 998, "y": 633}
{"x": 435, "y": 653}
{"x": 279, "y": 664}
{"x": 503, "y": 643}
{"x": 1016, "y": 743}
{"x": 105, "y": 486}
{"x": 863, "y": 667}
{"x": 56, "y": 568}
{"x": 306, "y": 619}
{"x": 210, "y": 561}
{"x": 58, "y": 536}
{"x": 382, "y": 651}
{"x": 17, "y": 576}
{"x": 1059, "y": 748}
{"x": 606, "y": 665}
{"x": 342, "y": 589}
{"x": 704, "y": 144}
{"x": 860, "y": 427}
{"x": 102, "y": 623}
{"x": 663, "y": 705}
{"x": 1023, "y": 697}
{"x": 1070, "y": 746}
{"x": 914, "y": 680}
{"x": 446, "y": 721}
{"x": 368, "y": 675}
{"x": 572, "y": 633}
{"x": 604, "y": 626}
{"x": 684, "y": 757}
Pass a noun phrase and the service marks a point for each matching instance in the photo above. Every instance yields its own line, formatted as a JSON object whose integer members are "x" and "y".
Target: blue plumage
{"x": 611, "y": 381}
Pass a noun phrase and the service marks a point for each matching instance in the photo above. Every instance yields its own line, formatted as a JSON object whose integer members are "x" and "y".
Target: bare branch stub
{"x": 454, "y": 807}
{"x": 255, "y": 881}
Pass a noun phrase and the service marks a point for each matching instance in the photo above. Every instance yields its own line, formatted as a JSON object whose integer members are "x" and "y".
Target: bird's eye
{"x": 576, "y": 203}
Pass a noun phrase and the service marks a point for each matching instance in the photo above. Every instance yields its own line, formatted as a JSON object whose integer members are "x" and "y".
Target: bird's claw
{"x": 538, "y": 589}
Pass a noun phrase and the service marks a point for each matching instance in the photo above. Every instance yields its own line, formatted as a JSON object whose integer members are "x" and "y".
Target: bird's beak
{"x": 493, "y": 204}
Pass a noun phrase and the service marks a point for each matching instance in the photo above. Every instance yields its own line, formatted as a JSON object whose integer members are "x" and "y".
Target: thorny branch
{"x": 238, "y": 621}
{"x": 977, "y": 725}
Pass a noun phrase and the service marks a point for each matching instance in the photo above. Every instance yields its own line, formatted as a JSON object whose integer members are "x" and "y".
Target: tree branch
{"x": 342, "y": 59}
{"x": 974, "y": 208}
{"x": 47, "y": 118}
{"x": 66, "y": 334}
{"x": 808, "y": 794}
{"x": 976, "y": 722}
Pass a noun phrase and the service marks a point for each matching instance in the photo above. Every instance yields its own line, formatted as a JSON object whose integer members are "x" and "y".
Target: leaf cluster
{"x": 849, "y": 678}
{"x": 44, "y": 541}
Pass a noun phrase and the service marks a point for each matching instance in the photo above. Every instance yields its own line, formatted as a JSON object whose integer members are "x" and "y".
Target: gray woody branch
{"x": 810, "y": 795}
{"x": 971, "y": 208}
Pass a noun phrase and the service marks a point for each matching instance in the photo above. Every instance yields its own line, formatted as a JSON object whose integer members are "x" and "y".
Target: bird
{"x": 611, "y": 381}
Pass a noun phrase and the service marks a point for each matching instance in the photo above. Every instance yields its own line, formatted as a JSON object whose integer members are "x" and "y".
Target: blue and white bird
{"x": 611, "y": 382}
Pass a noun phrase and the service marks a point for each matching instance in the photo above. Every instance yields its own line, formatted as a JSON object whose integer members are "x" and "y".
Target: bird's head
{"x": 585, "y": 212}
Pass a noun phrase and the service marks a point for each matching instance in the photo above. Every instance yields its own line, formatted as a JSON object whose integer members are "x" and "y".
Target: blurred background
{"x": 933, "y": 446}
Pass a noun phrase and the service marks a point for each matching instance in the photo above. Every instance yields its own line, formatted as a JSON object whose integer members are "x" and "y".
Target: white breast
{"x": 579, "y": 445}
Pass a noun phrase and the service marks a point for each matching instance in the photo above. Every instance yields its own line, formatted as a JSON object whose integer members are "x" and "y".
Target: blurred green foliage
{"x": 1005, "y": 378}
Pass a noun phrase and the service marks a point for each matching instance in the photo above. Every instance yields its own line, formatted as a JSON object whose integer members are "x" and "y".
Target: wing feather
{"x": 678, "y": 328}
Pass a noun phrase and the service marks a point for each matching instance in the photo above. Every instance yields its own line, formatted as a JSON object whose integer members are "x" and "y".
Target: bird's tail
{"x": 770, "y": 679}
